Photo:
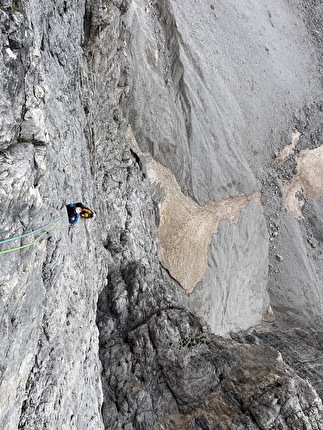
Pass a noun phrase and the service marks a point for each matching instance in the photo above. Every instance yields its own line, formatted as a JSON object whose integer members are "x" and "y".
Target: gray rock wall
{"x": 111, "y": 325}
{"x": 217, "y": 86}
{"x": 50, "y": 370}
{"x": 235, "y": 296}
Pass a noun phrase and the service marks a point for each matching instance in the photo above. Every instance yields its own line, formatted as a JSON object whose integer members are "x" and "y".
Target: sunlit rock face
{"x": 194, "y": 132}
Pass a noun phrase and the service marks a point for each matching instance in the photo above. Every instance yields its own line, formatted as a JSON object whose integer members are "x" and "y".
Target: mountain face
{"x": 193, "y": 300}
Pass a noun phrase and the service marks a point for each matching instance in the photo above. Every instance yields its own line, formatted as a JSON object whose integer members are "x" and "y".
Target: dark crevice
{"x": 87, "y": 23}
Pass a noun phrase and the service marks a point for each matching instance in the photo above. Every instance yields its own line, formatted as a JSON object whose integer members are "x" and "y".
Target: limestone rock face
{"x": 50, "y": 370}
{"x": 194, "y": 132}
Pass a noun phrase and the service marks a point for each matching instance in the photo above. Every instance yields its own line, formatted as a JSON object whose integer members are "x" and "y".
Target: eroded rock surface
{"x": 114, "y": 325}
{"x": 50, "y": 369}
{"x": 186, "y": 228}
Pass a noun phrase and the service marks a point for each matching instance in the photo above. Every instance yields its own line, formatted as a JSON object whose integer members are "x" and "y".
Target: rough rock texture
{"x": 182, "y": 125}
{"x": 50, "y": 370}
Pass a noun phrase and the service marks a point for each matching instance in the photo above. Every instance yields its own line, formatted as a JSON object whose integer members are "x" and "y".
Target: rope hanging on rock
{"x": 48, "y": 227}
{"x": 27, "y": 234}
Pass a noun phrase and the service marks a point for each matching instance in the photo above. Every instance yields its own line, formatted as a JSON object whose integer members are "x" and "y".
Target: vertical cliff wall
{"x": 194, "y": 132}
{"x": 50, "y": 375}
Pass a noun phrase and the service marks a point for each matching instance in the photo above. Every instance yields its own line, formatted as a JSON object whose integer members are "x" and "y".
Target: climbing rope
{"x": 48, "y": 227}
{"x": 27, "y": 234}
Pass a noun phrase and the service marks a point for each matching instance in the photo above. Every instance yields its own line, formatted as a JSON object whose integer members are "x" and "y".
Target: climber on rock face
{"x": 77, "y": 210}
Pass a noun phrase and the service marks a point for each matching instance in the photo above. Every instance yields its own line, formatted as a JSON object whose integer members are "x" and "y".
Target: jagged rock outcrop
{"x": 173, "y": 122}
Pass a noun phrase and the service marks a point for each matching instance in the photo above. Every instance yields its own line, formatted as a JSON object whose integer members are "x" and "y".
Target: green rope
{"x": 27, "y": 234}
{"x": 52, "y": 226}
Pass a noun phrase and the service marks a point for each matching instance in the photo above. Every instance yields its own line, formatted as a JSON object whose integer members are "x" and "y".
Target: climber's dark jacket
{"x": 77, "y": 210}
